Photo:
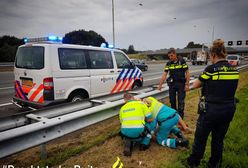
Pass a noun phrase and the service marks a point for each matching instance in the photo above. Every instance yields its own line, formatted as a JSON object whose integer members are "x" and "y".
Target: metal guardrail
{"x": 48, "y": 124}
{"x": 6, "y": 64}
{"x": 46, "y": 129}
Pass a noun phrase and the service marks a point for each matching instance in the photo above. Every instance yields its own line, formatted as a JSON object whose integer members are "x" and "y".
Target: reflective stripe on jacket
{"x": 133, "y": 114}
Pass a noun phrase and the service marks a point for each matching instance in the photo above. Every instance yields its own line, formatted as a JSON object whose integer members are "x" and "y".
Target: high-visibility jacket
{"x": 133, "y": 114}
{"x": 159, "y": 110}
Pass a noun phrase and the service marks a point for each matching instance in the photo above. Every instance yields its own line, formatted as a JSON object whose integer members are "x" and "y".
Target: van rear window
{"x": 232, "y": 57}
{"x": 30, "y": 57}
{"x": 72, "y": 58}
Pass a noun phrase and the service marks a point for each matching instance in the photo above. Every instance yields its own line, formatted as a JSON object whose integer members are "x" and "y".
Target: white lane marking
{"x": 152, "y": 79}
{"x": 6, "y": 88}
{"x": 5, "y": 104}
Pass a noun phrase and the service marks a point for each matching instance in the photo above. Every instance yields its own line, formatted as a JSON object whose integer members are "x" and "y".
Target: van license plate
{"x": 27, "y": 82}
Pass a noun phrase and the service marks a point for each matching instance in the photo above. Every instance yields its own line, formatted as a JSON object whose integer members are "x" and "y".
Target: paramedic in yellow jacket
{"x": 167, "y": 119}
{"x": 133, "y": 117}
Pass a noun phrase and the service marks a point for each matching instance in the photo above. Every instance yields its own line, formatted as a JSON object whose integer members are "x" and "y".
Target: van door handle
{"x": 119, "y": 71}
{"x": 112, "y": 71}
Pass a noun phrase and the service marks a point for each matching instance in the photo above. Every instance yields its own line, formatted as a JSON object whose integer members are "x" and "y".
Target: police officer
{"x": 178, "y": 80}
{"x": 219, "y": 82}
{"x": 167, "y": 119}
{"x": 132, "y": 118}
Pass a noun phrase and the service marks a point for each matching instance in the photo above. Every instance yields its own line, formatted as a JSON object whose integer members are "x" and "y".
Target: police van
{"x": 49, "y": 72}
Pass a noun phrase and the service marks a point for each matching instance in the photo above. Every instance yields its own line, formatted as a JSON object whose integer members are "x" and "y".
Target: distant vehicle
{"x": 233, "y": 59}
{"x": 140, "y": 64}
{"x": 199, "y": 57}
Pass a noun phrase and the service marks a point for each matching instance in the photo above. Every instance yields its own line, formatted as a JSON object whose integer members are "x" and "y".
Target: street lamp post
{"x": 213, "y": 34}
{"x": 113, "y": 21}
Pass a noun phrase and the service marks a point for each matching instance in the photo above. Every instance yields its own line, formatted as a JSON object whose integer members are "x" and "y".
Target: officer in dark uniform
{"x": 217, "y": 105}
{"x": 178, "y": 80}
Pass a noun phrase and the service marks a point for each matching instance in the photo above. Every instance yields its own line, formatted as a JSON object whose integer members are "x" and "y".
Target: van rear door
{"x": 28, "y": 81}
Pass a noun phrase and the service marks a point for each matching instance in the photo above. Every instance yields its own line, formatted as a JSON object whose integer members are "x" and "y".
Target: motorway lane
{"x": 151, "y": 77}
{"x": 7, "y": 90}
{"x": 7, "y": 79}
{"x": 6, "y": 87}
{"x": 155, "y": 72}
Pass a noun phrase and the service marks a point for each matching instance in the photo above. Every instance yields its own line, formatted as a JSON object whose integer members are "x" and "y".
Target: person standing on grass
{"x": 178, "y": 80}
{"x": 219, "y": 82}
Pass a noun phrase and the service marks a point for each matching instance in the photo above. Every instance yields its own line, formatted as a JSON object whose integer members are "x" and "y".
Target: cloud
{"x": 153, "y": 25}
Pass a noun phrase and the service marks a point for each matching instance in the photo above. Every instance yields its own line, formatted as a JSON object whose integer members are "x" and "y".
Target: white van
{"x": 233, "y": 60}
{"x": 49, "y": 72}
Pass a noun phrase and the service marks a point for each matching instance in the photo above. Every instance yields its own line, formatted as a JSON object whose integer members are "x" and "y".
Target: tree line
{"x": 9, "y": 44}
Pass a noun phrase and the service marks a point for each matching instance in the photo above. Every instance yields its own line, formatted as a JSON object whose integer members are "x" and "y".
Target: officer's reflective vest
{"x": 133, "y": 114}
{"x": 220, "y": 81}
{"x": 155, "y": 107}
{"x": 176, "y": 70}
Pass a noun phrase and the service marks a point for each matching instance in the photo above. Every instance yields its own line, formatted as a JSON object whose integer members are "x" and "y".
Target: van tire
{"x": 77, "y": 96}
{"x": 136, "y": 84}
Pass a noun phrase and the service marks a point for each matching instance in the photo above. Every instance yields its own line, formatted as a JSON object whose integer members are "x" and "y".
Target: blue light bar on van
{"x": 44, "y": 39}
{"x": 106, "y": 45}
{"x": 111, "y": 46}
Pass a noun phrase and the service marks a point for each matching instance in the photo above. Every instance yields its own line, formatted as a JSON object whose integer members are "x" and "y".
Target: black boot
{"x": 182, "y": 142}
{"x": 192, "y": 162}
{"x": 180, "y": 135}
{"x": 128, "y": 147}
{"x": 143, "y": 147}
{"x": 213, "y": 163}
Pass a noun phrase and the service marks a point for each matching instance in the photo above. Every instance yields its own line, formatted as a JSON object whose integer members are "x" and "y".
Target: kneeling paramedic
{"x": 167, "y": 119}
{"x": 133, "y": 116}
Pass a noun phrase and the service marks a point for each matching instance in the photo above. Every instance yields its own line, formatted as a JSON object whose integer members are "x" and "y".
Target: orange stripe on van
{"x": 130, "y": 86}
{"x": 116, "y": 85}
{"x": 121, "y": 87}
{"x": 126, "y": 87}
{"x": 40, "y": 88}
{"x": 27, "y": 89}
{"x": 41, "y": 99}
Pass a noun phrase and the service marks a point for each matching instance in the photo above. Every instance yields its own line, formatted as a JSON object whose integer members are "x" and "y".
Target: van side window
{"x": 121, "y": 60}
{"x": 72, "y": 58}
{"x": 100, "y": 60}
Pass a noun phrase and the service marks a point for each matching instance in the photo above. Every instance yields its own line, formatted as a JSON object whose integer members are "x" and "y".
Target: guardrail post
{"x": 43, "y": 151}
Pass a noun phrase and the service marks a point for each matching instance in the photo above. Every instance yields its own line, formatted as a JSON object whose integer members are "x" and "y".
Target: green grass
{"x": 138, "y": 56}
{"x": 235, "y": 152}
{"x": 76, "y": 150}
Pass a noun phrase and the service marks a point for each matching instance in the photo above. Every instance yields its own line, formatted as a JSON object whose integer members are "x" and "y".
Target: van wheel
{"x": 75, "y": 97}
{"x": 136, "y": 85}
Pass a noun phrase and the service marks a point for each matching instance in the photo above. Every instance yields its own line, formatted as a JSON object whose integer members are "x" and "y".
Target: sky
{"x": 145, "y": 24}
